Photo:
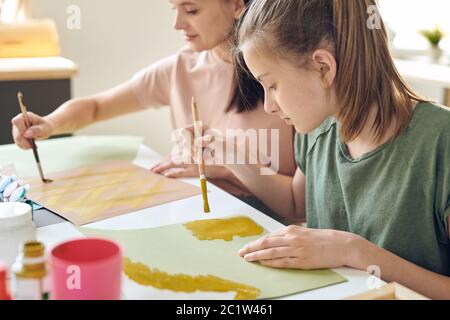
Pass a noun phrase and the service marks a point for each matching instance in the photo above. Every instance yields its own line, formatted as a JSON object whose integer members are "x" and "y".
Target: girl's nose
{"x": 270, "y": 105}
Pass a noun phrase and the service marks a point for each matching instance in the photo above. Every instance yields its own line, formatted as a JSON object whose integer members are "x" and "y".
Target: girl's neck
{"x": 366, "y": 140}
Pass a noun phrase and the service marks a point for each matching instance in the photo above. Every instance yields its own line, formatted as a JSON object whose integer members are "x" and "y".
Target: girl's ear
{"x": 238, "y": 8}
{"x": 325, "y": 62}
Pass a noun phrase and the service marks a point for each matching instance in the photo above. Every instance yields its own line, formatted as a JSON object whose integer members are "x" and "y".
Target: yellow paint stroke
{"x": 88, "y": 194}
{"x": 102, "y": 198}
{"x": 146, "y": 276}
{"x": 224, "y": 229}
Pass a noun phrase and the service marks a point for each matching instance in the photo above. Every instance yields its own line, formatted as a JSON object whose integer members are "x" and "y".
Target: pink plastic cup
{"x": 86, "y": 269}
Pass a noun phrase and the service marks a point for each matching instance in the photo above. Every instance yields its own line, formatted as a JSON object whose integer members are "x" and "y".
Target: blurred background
{"x": 115, "y": 39}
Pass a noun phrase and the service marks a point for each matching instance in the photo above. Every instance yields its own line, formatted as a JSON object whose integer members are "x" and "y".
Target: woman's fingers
{"x": 38, "y": 128}
{"x": 19, "y": 123}
{"x": 35, "y": 132}
{"x": 19, "y": 140}
{"x": 176, "y": 173}
{"x": 160, "y": 168}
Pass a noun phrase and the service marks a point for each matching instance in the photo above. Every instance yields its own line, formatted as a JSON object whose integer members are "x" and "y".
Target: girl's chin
{"x": 301, "y": 129}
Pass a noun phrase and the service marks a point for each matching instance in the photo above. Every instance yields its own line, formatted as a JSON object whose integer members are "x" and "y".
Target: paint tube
{"x": 19, "y": 194}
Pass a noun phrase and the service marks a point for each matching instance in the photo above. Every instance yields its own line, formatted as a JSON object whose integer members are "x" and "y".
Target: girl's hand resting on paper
{"x": 40, "y": 128}
{"x": 296, "y": 247}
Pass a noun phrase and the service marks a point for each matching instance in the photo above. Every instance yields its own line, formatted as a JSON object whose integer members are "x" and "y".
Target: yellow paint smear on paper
{"x": 104, "y": 194}
{"x": 224, "y": 229}
{"x": 104, "y": 191}
{"x": 143, "y": 275}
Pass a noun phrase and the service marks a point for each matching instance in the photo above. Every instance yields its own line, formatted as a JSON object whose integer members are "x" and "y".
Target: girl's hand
{"x": 39, "y": 128}
{"x": 296, "y": 247}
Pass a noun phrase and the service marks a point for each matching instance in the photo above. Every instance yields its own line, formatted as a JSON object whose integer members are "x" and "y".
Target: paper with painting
{"x": 103, "y": 191}
{"x": 199, "y": 260}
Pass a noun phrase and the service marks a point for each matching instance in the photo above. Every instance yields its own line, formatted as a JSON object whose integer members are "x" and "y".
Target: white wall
{"x": 116, "y": 39}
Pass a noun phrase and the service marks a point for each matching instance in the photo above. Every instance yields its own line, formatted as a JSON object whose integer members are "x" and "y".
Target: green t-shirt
{"x": 397, "y": 196}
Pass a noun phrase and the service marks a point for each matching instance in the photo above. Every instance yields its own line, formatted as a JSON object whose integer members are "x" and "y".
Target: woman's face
{"x": 296, "y": 94}
{"x": 206, "y": 23}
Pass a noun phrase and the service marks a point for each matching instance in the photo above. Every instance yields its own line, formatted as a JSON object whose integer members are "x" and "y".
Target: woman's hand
{"x": 39, "y": 128}
{"x": 171, "y": 169}
{"x": 218, "y": 149}
{"x": 296, "y": 247}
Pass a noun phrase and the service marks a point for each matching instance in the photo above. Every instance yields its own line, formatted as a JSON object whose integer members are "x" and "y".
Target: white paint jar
{"x": 16, "y": 227}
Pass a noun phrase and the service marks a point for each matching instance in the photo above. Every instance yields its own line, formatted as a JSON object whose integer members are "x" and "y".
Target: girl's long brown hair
{"x": 366, "y": 73}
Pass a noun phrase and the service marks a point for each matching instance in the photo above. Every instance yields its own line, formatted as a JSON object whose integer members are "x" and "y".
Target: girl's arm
{"x": 76, "y": 114}
{"x": 396, "y": 269}
{"x": 283, "y": 194}
{"x": 295, "y": 247}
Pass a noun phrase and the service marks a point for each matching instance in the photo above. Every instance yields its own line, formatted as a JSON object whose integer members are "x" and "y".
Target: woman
{"x": 202, "y": 70}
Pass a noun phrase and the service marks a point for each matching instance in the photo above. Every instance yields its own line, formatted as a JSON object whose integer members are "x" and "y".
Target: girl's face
{"x": 206, "y": 23}
{"x": 296, "y": 94}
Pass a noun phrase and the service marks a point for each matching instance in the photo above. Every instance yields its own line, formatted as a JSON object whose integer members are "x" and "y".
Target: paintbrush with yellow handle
{"x": 24, "y": 111}
{"x": 201, "y": 163}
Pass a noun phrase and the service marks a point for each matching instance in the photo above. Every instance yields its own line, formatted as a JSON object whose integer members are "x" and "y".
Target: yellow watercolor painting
{"x": 99, "y": 192}
{"x": 224, "y": 229}
{"x": 146, "y": 276}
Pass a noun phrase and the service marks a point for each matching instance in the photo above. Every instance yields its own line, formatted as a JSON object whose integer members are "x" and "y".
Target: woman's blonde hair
{"x": 366, "y": 74}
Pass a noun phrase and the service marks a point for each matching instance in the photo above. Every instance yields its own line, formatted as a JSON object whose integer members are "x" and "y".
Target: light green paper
{"x": 173, "y": 249}
{"x": 70, "y": 153}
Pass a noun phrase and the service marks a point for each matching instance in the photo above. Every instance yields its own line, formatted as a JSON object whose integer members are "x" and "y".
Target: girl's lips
{"x": 287, "y": 120}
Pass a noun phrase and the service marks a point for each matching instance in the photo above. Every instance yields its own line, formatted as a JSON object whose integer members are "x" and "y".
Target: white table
{"x": 223, "y": 205}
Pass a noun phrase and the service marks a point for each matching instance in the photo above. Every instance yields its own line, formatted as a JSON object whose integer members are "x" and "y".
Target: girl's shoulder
{"x": 328, "y": 127}
{"x": 430, "y": 121}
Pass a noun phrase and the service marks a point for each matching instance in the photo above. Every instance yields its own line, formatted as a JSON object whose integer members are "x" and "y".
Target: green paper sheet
{"x": 173, "y": 249}
{"x": 70, "y": 153}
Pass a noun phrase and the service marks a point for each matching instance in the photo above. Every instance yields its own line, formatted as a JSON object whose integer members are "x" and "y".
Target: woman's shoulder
{"x": 199, "y": 60}
{"x": 184, "y": 59}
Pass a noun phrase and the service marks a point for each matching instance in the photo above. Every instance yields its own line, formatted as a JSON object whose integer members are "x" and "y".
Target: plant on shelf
{"x": 434, "y": 38}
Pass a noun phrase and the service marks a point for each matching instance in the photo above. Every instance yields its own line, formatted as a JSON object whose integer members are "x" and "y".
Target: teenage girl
{"x": 373, "y": 177}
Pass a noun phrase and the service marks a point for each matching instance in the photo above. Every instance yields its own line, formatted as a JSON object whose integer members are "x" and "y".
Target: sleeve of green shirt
{"x": 444, "y": 178}
{"x": 446, "y": 216}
